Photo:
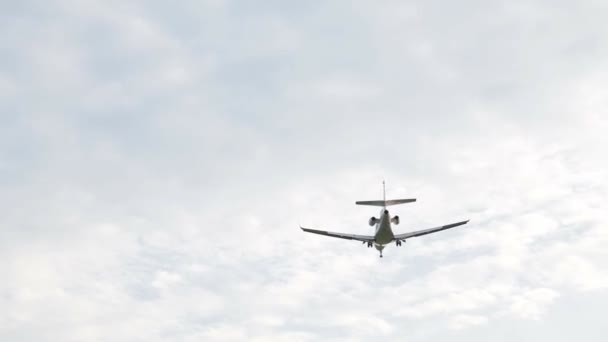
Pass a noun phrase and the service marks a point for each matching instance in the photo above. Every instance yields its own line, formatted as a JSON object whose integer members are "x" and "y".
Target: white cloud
{"x": 164, "y": 279}
{"x": 155, "y": 163}
{"x": 464, "y": 321}
{"x": 530, "y": 304}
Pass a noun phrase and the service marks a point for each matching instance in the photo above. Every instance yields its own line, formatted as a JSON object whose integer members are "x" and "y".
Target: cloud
{"x": 156, "y": 161}
{"x": 462, "y": 321}
{"x": 529, "y": 304}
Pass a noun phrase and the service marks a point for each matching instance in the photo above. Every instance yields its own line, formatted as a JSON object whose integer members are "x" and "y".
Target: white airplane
{"x": 384, "y": 234}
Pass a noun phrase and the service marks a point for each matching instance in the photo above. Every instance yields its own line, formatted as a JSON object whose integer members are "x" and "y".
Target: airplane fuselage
{"x": 384, "y": 233}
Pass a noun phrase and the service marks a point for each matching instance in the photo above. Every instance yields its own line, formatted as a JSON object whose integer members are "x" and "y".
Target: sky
{"x": 157, "y": 159}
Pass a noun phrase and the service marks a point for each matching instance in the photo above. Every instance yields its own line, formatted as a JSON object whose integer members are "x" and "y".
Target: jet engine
{"x": 395, "y": 220}
{"x": 373, "y": 221}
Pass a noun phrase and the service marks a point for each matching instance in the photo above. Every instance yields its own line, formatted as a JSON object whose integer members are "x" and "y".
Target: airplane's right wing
{"x": 428, "y": 231}
{"x": 365, "y": 238}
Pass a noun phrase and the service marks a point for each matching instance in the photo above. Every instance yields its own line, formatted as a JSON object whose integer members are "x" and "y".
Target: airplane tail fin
{"x": 386, "y": 203}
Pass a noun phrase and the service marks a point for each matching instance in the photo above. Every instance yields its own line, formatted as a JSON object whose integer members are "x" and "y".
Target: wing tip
{"x": 310, "y": 230}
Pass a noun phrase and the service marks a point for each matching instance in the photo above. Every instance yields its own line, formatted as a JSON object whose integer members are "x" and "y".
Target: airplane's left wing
{"x": 428, "y": 231}
{"x": 365, "y": 238}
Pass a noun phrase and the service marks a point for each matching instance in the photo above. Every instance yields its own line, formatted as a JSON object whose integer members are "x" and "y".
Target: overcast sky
{"x": 157, "y": 158}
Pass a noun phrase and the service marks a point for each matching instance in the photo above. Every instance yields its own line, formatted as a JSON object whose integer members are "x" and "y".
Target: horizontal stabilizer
{"x": 386, "y": 203}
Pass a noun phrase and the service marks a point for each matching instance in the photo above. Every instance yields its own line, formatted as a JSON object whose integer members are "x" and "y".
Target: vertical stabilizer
{"x": 384, "y": 191}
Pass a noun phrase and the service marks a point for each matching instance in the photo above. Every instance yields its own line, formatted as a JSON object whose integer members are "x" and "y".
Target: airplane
{"x": 383, "y": 233}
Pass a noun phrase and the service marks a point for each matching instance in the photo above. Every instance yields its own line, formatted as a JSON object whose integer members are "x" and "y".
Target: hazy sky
{"x": 156, "y": 159}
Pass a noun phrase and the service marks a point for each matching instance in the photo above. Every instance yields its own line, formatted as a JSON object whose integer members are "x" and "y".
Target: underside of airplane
{"x": 383, "y": 233}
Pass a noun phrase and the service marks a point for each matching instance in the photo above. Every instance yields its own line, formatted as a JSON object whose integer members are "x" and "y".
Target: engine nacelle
{"x": 395, "y": 220}
{"x": 373, "y": 221}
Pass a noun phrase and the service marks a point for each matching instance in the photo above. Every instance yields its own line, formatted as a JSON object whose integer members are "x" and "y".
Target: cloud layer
{"x": 155, "y": 162}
